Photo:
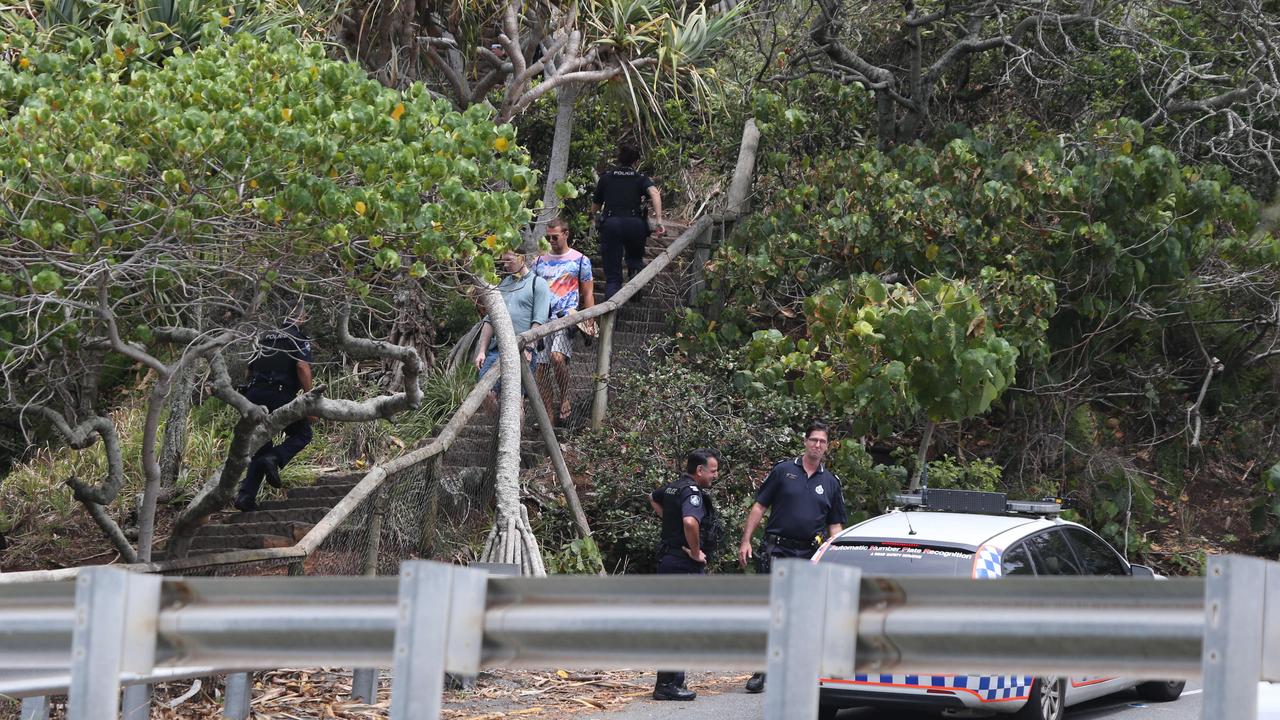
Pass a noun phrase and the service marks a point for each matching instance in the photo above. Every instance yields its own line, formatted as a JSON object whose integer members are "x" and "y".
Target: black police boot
{"x": 271, "y": 470}
{"x": 672, "y": 692}
{"x": 244, "y": 503}
{"x": 756, "y": 683}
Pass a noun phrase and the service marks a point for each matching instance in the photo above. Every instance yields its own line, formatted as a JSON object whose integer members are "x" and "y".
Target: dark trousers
{"x": 296, "y": 437}
{"x": 770, "y": 549}
{"x": 621, "y": 237}
{"x": 676, "y": 563}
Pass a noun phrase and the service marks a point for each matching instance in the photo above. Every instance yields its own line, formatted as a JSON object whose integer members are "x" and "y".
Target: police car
{"x": 960, "y": 533}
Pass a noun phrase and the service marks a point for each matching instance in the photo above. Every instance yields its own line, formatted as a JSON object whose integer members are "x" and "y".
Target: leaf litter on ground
{"x": 324, "y": 694}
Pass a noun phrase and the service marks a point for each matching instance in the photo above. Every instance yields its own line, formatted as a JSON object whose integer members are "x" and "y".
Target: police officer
{"x": 805, "y": 503}
{"x": 691, "y": 529}
{"x": 620, "y": 217}
{"x": 280, "y": 368}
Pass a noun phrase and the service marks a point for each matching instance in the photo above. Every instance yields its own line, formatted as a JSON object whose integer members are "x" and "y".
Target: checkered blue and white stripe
{"x": 986, "y": 563}
{"x": 988, "y": 688}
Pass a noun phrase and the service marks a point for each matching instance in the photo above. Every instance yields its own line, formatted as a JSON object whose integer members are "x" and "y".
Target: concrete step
{"x": 349, "y": 478}
{"x": 329, "y": 493}
{"x": 294, "y": 530}
{"x": 218, "y": 543}
{"x": 303, "y": 514}
{"x": 300, "y": 502}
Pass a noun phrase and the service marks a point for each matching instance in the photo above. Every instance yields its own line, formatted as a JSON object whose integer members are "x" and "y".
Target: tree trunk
{"x": 174, "y": 445}
{"x": 383, "y": 37}
{"x": 151, "y": 466}
{"x": 923, "y": 458}
{"x": 511, "y": 539}
{"x": 413, "y": 328}
{"x": 558, "y": 167}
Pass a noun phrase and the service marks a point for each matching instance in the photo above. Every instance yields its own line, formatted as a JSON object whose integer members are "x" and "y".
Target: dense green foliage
{"x": 877, "y": 353}
{"x": 155, "y": 29}
{"x": 1112, "y": 269}
{"x": 252, "y": 155}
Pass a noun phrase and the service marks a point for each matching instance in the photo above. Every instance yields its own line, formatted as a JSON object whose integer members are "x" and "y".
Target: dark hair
{"x": 628, "y": 154}
{"x": 817, "y": 425}
{"x": 558, "y": 221}
{"x": 698, "y": 458}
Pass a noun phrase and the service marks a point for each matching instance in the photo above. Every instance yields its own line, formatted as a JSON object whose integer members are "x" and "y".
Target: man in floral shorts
{"x": 569, "y": 275}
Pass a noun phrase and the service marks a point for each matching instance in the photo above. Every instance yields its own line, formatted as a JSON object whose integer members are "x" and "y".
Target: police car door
{"x": 1054, "y": 554}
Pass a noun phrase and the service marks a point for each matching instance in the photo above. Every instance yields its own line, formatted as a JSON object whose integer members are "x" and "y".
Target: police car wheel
{"x": 1046, "y": 701}
{"x": 1161, "y": 690}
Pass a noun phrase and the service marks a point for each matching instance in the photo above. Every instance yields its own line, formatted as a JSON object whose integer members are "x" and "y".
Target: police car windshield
{"x": 885, "y": 558}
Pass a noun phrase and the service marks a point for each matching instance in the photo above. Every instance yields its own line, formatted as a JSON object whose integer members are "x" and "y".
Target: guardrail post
{"x": 1271, "y": 625}
{"x": 599, "y": 406}
{"x": 137, "y": 702}
{"x": 1235, "y": 599}
{"x": 364, "y": 685}
{"x": 35, "y": 708}
{"x": 114, "y": 633}
{"x": 439, "y": 628}
{"x": 813, "y": 621}
{"x": 237, "y": 696}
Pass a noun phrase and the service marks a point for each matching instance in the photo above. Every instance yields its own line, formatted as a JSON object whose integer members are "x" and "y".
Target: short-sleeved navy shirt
{"x": 692, "y": 503}
{"x": 801, "y": 506}
{"x": 621, "y": 190}
{"x": 279, "y": 352}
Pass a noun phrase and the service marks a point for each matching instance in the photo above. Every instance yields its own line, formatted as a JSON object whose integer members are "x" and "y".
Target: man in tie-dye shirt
{"x": 569, "y": 274}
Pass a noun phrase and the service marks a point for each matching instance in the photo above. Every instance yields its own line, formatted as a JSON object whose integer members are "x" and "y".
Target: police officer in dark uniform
{"x": 281, "y": 367}
{"x": 805, "y": 506}
{"x": 691, "y": 530}
{"x": 620, "y": 218}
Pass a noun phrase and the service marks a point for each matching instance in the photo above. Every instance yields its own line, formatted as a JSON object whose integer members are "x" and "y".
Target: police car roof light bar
{"x": 972, "y": 501}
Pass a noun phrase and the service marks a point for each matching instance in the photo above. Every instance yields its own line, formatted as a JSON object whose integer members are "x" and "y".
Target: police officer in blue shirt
{"x": 691, "y": 529}
{"x": 805, "y": 506}
{"x": 280, "y": 368}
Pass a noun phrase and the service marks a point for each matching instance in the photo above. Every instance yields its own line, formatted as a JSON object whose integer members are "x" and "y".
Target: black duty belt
{"x": 790, "y": 543}
{"x": 277, "y": 387}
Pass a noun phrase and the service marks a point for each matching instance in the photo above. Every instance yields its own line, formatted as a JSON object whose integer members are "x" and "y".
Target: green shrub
{"x": 980, "y": 474}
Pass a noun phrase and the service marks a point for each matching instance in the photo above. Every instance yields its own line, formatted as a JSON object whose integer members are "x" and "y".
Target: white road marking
{"x": 1191, "y": 692}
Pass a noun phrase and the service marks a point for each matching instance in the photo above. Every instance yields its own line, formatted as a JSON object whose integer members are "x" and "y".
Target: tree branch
{"x": 113, "y": 333}
{"x": 83, "y": 436}
{"x": 462, "y": 97}
{"x": 109, "y": 527}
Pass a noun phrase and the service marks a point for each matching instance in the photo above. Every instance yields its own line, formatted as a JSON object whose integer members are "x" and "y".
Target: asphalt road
{"x": 736, "y": 704}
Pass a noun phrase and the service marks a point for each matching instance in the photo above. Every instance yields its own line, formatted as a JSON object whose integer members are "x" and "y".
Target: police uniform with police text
{"x": 273, "y": 382}
{"x": 622, "y": 223}
{"x": 801, "y": 506}
{"x": 679, "y": 500}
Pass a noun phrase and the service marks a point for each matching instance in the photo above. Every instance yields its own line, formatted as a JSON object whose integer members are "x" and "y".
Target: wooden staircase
{"x": 467, "y": 465}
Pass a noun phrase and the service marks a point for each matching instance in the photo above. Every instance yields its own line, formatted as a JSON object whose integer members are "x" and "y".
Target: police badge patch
{"x": 695, "y": 501}
{"x": 819, "y": 490}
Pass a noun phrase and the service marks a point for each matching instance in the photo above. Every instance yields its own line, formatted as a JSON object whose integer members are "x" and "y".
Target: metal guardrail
{"x": 116, "y": 628}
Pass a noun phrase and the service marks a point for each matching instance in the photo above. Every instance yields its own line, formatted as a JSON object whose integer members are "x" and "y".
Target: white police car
{"x": 959, "y": 533}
